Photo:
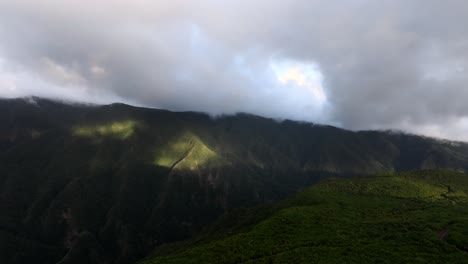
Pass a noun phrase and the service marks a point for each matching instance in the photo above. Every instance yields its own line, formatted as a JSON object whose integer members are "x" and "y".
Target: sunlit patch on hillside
{"x": 122, "y": 130}
{"x": 187, "y": 152}
{"x": 403, "y": 185}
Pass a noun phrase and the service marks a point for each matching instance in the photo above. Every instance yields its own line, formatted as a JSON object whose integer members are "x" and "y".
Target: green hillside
{"x": 417, "y": 217}
{"x": 129, "y": 179}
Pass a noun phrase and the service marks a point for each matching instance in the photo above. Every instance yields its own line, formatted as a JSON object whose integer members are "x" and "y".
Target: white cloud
{"x": 62, "y": 75}
{"x": 8, "y": 87}
{"x": 297, "y": 75}
{"x": 98, "y": 71}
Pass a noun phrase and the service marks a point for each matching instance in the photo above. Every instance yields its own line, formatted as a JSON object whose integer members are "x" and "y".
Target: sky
{"x": 357, "y": 64}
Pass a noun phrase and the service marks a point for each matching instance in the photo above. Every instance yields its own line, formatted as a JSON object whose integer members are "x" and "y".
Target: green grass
{"x": 382, "y": 219}
{"x": 122, "y": 130}
{"x": 187, "y": 151}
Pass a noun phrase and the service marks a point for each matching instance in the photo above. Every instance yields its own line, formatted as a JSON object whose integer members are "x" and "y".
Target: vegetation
{"x": 129, "y": 179}
{"x": 122, "y": 130}
{"x": 187, "y": 152}
{"x": 398, "y": 218}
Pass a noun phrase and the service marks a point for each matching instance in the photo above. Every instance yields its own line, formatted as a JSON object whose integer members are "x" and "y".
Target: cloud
{"x": 60, "y": 74}
{"x": 383, "y": 64}
{"x": 297, "y": 75}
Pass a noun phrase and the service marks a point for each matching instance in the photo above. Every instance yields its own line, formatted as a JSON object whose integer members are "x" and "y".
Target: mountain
{"x": 106, "y": 184}
{"x": 413, "y": 217}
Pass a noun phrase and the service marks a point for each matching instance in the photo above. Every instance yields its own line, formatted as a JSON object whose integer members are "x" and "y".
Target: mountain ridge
{"x": 74, "y": 174}
{"x": 34, "y": 99}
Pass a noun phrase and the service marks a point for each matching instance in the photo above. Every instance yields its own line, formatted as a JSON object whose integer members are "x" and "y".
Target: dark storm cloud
{"x": 386, "y": 64}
